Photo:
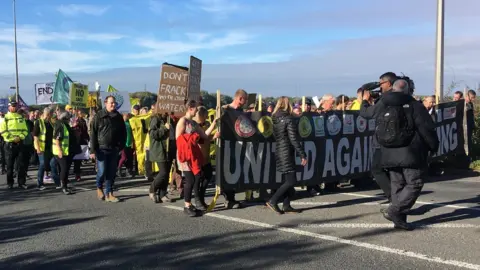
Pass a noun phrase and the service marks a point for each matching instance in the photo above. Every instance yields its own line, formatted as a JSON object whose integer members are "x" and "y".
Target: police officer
{"x": 14, "y": 130}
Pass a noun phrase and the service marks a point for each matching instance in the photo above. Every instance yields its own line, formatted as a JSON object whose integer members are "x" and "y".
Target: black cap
{"x": 136, "y": 107}
{"x": 308, "y": 101}
{"x": 12, "y": 103}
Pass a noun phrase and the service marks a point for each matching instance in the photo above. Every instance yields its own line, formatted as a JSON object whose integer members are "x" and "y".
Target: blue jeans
{"x": 107, "y": 161}
{"x": 48, "y": 157}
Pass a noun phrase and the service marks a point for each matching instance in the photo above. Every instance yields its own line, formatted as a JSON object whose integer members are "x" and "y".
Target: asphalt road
{"x": 49, "y": 230}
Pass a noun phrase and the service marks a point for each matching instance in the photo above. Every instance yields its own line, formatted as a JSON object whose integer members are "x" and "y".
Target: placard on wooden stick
{"x": 194, "y": 78}
{"x": 172, "y": 92}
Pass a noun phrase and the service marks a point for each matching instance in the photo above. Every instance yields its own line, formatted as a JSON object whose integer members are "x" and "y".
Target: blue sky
{"x": 258, "y": 44}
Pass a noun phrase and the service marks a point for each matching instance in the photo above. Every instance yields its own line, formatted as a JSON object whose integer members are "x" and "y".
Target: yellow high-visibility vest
{"x": 64, "y": 143}
{"x": 12, "y": 126}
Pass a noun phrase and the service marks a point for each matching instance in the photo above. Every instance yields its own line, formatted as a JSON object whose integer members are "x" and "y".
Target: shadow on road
{"x": 156, "y": 251}
{"x": 23, "y": 225}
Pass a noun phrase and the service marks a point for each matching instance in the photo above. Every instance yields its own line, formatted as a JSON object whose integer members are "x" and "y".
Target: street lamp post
{"x": 439, "y": 52}
{"x": 15, "y": 45}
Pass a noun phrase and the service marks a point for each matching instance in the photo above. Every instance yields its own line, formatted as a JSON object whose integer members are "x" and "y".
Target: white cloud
{"x": 162, "y": 49}
{"x": 217, "y": 6}
{"x": 32, "y": 36}
{"x": 74, "y": 10}
{"x": 35, "y": 56}
{"x": 156, "y": 6}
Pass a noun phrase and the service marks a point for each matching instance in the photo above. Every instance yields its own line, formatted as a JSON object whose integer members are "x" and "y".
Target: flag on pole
{"x": 111, "y": 89}
{"x": 61, "y": 93}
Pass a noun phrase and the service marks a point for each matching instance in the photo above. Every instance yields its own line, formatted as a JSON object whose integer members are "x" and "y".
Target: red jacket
{"x": 189, "y": 151}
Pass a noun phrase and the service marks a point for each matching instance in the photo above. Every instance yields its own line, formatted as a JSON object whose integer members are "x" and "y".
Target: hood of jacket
{"x": 391, "y": 98}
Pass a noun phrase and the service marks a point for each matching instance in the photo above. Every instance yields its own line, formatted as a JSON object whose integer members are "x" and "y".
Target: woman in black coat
{"x": 287, "y": 142}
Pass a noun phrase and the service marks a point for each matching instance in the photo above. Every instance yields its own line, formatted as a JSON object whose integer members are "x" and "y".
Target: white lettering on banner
{"x": 44, "y": 93}
{"x": 266, "y": 170}
{"x": 253, "y": 161}
{"x": 345, "y": 163}
{"x": 278, "y": 175}
{"x": 232, "y": 178}
{"x": 175, "y": 76}
{"x": 448, "y": 137}
{"x": 329, "y": 164}
{"x": 356, "y": 156}
{"x": 309, "y": 169}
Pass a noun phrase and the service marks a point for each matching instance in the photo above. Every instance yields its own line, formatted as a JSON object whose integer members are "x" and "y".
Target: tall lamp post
{"x": 15, "y": 45}
{"x": 439, "y": 52}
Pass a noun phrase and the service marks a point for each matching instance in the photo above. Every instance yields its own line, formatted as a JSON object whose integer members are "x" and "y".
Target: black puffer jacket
{"x": 107, "y": 132}
{"x": 425, "y": 139}
{"x": 287, "y": 141}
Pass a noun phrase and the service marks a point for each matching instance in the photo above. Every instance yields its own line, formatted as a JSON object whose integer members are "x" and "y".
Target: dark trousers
{"x": 160, "y": 183}
{"x": 14, "y": 153}
{"x": 126, "y": 159}
{"x": 192, "y": 182}
{"x": 148, "y": 167}
{"x": 205, "y": 179}
{"x": 380, "y": 174}
{"x": 406, "y": 184}
{"x": 286, "y": 190}
{"x": 28, "y": 149}
{"x": 2, "y": 154}
{"x": 77, "y": 167}
{"x": 64, "y": 163}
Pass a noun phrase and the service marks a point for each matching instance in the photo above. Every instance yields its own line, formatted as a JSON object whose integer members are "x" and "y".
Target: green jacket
{"x": 158, "y": 135}
{"x": 129, "y": 141}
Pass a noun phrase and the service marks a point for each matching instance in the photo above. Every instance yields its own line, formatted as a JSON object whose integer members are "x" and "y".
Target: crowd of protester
{"x": 179, "y": 147}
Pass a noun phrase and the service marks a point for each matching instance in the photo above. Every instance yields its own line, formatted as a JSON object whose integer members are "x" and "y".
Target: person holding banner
{"x": 287, "y": 143}
{"x": 189, "y": 154}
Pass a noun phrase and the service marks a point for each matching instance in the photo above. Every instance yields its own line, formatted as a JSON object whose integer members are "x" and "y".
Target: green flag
{"x": 111, "y": 89}
{"x": 62, "y": 88}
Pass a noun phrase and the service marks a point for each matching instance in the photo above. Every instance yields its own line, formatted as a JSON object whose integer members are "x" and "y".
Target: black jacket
{"x": 425, "y": 139}
{"x": 287, "y": 141}
{"x": 107, "y": 132}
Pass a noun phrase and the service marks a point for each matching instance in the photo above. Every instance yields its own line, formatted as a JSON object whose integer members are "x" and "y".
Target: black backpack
{"x": 394, "y": 127}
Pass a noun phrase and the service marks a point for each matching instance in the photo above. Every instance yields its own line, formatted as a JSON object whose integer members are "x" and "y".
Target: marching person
{"x": 207, "y": 169}
{"x": 63, "y": 144}
{"x": 189, "y": 155}
{"x": 127, "y": 152}
{"x": 158, "y": 152}
{"x": 80, "y": 130}
{"x": 405, "y": 133}
{"x": 2, "y": 148}
{"x": 287, "y": 143}
{"x": 42, "y": 140}
{"x": 107, "y": 138}
{"x": 239, "y": 100}
{"x": 14, "y": 130}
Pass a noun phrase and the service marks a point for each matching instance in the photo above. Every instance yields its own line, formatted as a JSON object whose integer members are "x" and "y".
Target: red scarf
{"x": 189, "y": 151}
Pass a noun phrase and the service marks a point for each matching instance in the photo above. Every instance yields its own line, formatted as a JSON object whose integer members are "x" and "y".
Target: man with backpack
{"x": 406, "y": 133}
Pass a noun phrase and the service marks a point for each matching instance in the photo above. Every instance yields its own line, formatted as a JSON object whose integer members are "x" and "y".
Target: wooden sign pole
{"x": 218, "y": 189}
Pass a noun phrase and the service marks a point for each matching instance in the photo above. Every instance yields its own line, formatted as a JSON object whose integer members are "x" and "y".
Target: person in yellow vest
{"x": 62, "y": 148}
{"x": 14, "y": 130}
{"x": 42, "y": 141}
{"x": 360, "y": 96}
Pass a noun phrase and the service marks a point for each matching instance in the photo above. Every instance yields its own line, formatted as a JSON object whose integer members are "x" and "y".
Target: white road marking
{"x": 384, "y": 225}
{"x": 394, "y": 251}
{"x": 330, "y": 203}
{"x": 474, "y": 208}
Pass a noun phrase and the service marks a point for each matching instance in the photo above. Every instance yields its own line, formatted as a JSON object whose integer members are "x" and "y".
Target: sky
{"x": 270, "y": 47}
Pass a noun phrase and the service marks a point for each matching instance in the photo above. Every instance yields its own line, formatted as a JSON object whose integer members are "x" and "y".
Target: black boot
{"x": 274, "y": 207}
